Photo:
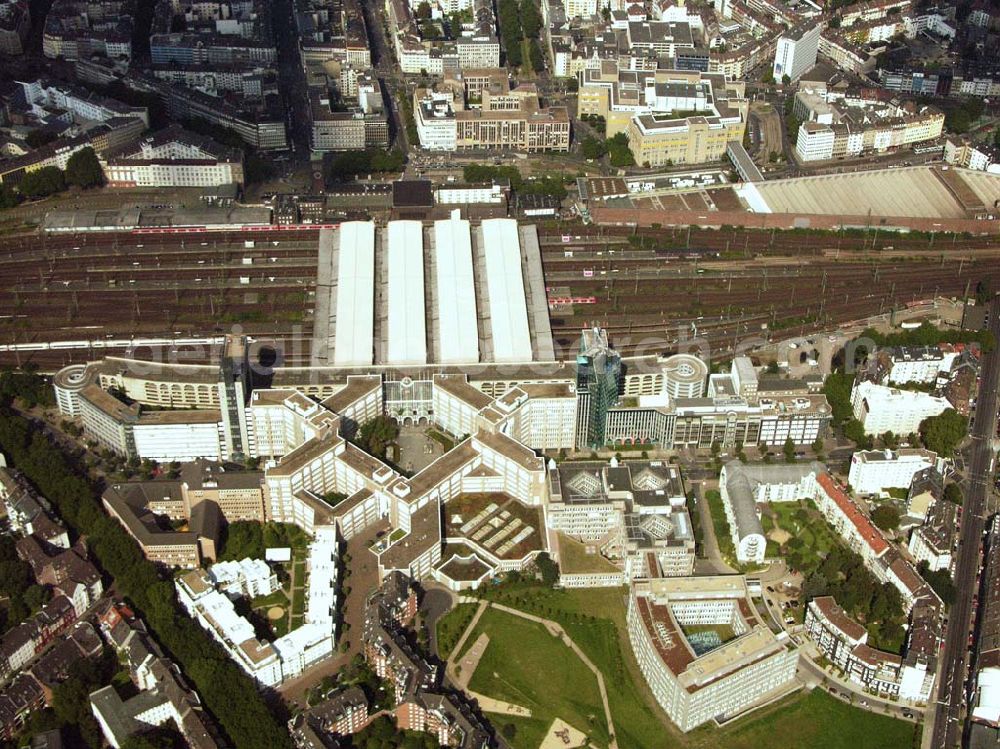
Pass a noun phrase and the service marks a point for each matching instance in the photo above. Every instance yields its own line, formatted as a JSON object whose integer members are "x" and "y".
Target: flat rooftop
{"x": 906, "y": 192}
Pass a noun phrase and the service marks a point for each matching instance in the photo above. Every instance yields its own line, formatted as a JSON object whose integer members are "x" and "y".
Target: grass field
{"x": 527, "y": 666}
{"x": 721, "y": 526}
{"x": 451, "y": 626}
{"x": 595, "y": 619}
{"x": 810, "y": 721}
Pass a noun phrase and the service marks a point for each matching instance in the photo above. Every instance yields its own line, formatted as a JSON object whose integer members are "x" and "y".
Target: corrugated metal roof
{"x": 407, "y": 327}
{"x": 508, "y": 311}
{"x": 355, "y": 294}
{"x": 458, "y": 335}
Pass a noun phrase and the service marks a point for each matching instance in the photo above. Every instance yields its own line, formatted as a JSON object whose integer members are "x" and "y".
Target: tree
{"x": 890, "y": 440}
{"x": 886, "y": 517}
{"x": 767, "y": 77}
{"x": 953, "y": 494}
{"x": 43, "y": 182}
{"x": 943, "y": 433}
{"x": 592, "y": 148}
{"x": 40, "y": 137}
{"x": 8, "y": 198}
{"x": 789, "y": 450}
{"x": 786, "y": 79}
{"x": 620, "y": 153}
{"x": 548, "y": 568}
{"x": 940, "y": 581}
{"x": 772, "y": 368}
{"x": 84, "y": 170}
{"x": 854, "y": 430}
{"x": 983, "y": 292}
{"x": 424, "y": 10}
{"x": 535, "y": 56}
{"x": 375, "y": 435}
{"x": 531, "y": 19}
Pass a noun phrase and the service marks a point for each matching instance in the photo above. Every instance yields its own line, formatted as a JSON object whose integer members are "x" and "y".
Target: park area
{"x": 525, "y": 665}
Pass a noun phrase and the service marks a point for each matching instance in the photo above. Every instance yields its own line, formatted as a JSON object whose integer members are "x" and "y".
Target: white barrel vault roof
{"x": 353, "y": 345}
{"x": 458, "y": 338}
{"x": 407, "y": 327}
{"x": 508, "y": 311}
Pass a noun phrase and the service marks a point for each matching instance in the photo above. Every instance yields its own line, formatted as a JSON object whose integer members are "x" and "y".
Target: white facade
{"x": 921, "y": 366}
{"x": 725, "y": 681}
{"x": 166, "y": 442}
{"x": 795, "y": 54}
{"x": 247, "y": 577}
{"x": 886, "y": 409}
{"x": 437, "y": 128}
{"x": 873, "y": 471}
{"x": 924, "y": 549}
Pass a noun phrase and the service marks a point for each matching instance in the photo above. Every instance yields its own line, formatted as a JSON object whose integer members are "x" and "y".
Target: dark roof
{"x": 412, "y": 193}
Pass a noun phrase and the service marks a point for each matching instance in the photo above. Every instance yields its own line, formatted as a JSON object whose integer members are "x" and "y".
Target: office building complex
{"x": 619, "y": 522}
{"x": 695, "y": 673}
{"x": 504, "y": 118}
{"x": 173, "y": 157}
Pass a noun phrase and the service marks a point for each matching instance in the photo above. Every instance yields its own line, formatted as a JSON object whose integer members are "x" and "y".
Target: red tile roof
{"x": 871, "y": 535}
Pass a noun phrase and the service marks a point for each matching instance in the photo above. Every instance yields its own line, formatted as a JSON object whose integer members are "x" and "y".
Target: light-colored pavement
{"x": 490, "y": 705}
{"x": 470, "y": 661}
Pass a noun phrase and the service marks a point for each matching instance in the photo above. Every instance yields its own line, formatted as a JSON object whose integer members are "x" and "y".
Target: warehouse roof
{"x": 355, "y": 294}
{"x": 508, "y": 311}
{"x": 458, "y": 334}
{"x": 407, "y": 330}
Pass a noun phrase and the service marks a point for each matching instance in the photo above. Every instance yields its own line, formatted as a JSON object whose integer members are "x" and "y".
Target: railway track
{"x": 653, "y": 294}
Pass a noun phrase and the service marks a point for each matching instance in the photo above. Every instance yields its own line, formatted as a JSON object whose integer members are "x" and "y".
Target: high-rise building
{"x": 796, "y": 51}
{"x": 598, "y": 380}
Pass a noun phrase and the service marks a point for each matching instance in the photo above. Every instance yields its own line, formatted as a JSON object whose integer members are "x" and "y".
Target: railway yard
{"x": 649, "y": 287}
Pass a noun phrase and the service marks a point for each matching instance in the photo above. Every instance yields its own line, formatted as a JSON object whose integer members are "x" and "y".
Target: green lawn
{"x": 527, "y": 666}
{"x": 809, "y": 526}
{"x": 595, "y": 619}
{"x": 721, "y": 526}
{"x": 451, "y": 626}
{"x": 810, "y": 721}
{"x": 298, "y": 602}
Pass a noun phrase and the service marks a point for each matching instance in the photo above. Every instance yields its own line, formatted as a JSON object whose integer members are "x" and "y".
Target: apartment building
{"x": 934, "y": 541}
{"x": 840, "y": 126}
{"x": 872, "y": 471}
{"x": 844, "y": 643}
{"x": 288, "y": 656}
{"x": 881, "y": 408}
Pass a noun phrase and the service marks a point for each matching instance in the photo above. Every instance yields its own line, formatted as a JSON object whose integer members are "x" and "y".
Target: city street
{"x": 952, "y": 674}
